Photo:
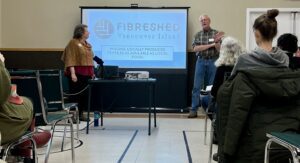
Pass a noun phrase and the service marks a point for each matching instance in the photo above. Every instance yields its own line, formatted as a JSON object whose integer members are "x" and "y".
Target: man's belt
{"x": 207, "y": 57}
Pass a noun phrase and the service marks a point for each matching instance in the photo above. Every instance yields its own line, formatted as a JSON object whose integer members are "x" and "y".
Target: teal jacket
{"x": 253, "y": 103}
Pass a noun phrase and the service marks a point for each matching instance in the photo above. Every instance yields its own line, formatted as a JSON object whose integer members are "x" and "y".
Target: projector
{"x": 137, "y": 75}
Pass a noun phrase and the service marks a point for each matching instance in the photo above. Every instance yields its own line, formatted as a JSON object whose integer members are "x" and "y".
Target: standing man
{"x": 206, "y": 45}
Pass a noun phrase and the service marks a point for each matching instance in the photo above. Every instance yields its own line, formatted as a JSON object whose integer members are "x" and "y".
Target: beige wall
{"x": 50, "y": 23}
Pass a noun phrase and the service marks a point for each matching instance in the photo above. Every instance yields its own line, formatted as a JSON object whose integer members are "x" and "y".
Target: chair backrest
{"x": 29, "y": 84}
{"x": 227, "y": 75}
{"x": 53, "y": 89}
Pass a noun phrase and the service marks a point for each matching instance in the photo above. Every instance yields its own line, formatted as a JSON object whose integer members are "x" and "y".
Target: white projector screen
{"x": 138, "y": 37}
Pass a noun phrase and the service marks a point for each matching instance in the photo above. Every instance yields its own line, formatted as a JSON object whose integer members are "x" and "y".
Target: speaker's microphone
{"x": 98, "y": 60}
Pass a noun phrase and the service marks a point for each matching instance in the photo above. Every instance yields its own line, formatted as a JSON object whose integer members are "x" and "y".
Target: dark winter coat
{"x": 253, "y": 103}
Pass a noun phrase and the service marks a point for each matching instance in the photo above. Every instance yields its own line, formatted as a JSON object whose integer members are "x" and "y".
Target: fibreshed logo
{"x": 104, "y": 29}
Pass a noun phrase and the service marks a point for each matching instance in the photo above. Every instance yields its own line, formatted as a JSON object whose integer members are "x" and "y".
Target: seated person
{"x": 262, "y": 96}
{"x": 230, "y": 50}
{"x": 15, "y": 115}
{"x": 289, "y": 43}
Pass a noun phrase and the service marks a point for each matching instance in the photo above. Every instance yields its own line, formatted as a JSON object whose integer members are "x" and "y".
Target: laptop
{"x": 110, "y": 72}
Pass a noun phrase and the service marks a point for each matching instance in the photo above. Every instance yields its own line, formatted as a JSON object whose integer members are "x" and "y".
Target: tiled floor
{"x": 124, "y": 138}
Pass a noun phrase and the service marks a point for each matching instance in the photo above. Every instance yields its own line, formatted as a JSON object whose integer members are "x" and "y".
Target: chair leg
{"x": 205, "y": 129}
{"x": 34, "y": 155}
{"x": 5, "y": 153}
{"x": 211, "y": 142}
{"x": 50, "y": 143}
{"x": 267, "y": 150}
{"x": 64, "y": 136}
{"x": 295, "y": 156}
{"x": 72, "y": 140}
{"x": 33, "y": 144}
{"x": 77, "y": 121}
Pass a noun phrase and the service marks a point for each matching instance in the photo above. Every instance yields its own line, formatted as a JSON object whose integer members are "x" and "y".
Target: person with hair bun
{"x": 265, "y": 29}
{"x": 261, "y": 96}
{"x": 79, "y": 66}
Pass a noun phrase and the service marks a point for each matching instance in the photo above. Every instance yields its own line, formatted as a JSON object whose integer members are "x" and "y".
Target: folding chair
{"x": 212, "y": 114}
{"x": 208, "y": 113}
{"x": 8, "y": 146}
{"x": 29, "y": 84}
{"x": 291, "y": 141}
{"x": 55, "y": 98}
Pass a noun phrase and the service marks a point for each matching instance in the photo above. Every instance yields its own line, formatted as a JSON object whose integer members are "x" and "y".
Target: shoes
{"x": 193, "y": 114}
{"x": 216, "y": 157}
{"x": 203, "y": 92}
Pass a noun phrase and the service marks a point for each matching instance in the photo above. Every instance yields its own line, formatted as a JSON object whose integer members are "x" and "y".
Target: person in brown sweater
{"x": 79, "y": 66}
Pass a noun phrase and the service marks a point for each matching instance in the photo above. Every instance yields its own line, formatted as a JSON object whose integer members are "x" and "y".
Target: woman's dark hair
{"x": 79, "y": 31}
{"x": 266, "y": 24}
{"x": 288, "y": 42}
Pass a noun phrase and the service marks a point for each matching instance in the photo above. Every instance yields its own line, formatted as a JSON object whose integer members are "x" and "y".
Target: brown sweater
{"x": 77, "y": 54}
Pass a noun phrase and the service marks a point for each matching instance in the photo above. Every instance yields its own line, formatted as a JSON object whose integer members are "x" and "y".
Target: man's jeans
{"x": 204, "y": 75}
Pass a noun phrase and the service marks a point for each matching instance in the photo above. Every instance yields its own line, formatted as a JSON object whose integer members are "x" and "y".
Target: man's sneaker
{"x": 203, "y": 92}
{"x": 216, "y": 157}
{"x": 193, "y": 114}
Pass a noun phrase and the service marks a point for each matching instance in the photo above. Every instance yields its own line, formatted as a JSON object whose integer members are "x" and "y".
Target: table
{"x": 151, "y": 92}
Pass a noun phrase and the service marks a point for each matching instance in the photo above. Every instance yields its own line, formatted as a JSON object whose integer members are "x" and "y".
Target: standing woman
{"x": 79, "y": 66}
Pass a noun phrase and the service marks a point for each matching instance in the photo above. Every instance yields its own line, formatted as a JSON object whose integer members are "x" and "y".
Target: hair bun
{"x": 272, "y": 13}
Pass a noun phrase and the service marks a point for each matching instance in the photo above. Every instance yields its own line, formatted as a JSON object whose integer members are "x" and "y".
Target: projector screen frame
{"x": 151, "y": 70}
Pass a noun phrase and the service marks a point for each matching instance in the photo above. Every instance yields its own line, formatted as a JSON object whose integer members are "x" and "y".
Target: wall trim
{"x": 31, "y": 49}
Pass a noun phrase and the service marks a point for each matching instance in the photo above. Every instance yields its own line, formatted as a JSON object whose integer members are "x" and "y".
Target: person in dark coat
{"x": 261, "y": 96}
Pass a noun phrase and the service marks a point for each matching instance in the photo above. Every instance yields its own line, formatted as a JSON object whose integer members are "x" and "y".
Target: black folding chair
{"x": 30, "y": 85}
